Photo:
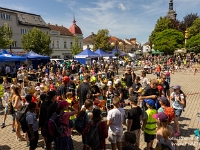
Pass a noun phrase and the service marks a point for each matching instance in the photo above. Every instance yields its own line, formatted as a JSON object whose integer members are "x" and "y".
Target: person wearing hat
{"x": 149, "y": 123}
{"x": 119, "y": 91}
{"x": 134, "y": 118}
{"x": 110, "y": 74}
{"x": 164, "y": 102}
{"x": 66, "y": 111}
{"x": 178, "y": 103}
{"x": 164, "y": 131}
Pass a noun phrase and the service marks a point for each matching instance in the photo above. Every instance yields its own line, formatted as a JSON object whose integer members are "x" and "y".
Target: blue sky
{"x": 123, "y": 18}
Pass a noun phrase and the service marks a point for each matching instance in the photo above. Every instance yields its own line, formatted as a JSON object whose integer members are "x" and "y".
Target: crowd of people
{"x": 60, "y": 100}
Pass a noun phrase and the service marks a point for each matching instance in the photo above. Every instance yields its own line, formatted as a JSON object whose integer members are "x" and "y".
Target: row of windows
{"x": 57, "y": 45}
{"x": 5, "y": 16}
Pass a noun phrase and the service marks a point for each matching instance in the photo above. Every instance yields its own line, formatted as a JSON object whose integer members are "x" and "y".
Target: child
{"x": 32, "y": 126}
{"x": 6, "y": 98}
{"x": 130, "y": 139}
{"x": 110, "y": 96}
{"x": 164, "y": 131}
{"x": 149, "y": 124}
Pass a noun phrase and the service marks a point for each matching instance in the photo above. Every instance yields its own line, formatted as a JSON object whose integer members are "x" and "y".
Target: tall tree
{"x": 37, "y": 41}
{"x": 5, "y": 36}
{"x": 195, "y": 28}
{"x": 168, "y": 41}
{"x": 193, "y": 44}
{"x": 188, "y": 21}
{"x": 75, "y": 49}
{"x": 161, "y": 25}
{"x": 101, "y": 40}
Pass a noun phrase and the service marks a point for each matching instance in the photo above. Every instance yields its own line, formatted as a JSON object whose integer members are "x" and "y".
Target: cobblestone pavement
{"x": 188, "y": 121}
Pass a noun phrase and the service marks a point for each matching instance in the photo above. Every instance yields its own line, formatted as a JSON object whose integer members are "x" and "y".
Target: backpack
{"x": 81, "y": 122}
{"x": 55, "y": 126}
{"x": 169, "y": 111}
{"x": 23, "y": 122}
{"x": 93, "y": 136}
{"x": 21, "y": 112}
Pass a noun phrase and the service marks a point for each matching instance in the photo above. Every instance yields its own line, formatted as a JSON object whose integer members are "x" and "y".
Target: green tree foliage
{"x": 168, "y": 41}
{"x": 75, "y": 49}
{"x": 101, "y": 40}
{"x": 161, "y": 25}
{"x": 193, "y": 44}
{"x": 37, "y": 41}
{"x": 5, "y": 36}
{"x": 187, "y": 21}
{"x": 195, "y": 28}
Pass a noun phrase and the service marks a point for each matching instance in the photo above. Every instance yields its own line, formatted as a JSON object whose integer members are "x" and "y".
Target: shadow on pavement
{"x": 4, "y": 147}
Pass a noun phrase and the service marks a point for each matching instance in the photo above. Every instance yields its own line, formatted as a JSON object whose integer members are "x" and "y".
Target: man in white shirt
{"x": 115, "y": 119}
{"x": 143, "y": 80}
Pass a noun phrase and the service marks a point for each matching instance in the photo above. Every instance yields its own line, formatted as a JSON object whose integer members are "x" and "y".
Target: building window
{"x": 57, "y": 44}
{"x": 71, "y": 44}
{"x": 14, "y": 44}
{"x": 23, "y": 31}
{"x": 65, "y": 44}
{"x": 53, "y": 44}
{"x": 5, "y": 16}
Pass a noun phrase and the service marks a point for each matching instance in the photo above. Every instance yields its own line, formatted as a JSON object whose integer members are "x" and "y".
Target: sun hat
{"x": 63, "y": 103}
{"x": 177, "y": 87}
{"x": 150, "y": 102}
{"x": 160, "y": 116}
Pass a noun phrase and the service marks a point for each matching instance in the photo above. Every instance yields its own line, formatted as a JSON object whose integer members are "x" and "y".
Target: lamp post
{"x": 116, "y": 44}
{"x": 186, "y": 36}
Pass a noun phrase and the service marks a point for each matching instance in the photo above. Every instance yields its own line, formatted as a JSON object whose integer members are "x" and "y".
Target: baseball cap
{"x": 37, "y": 88}
{"x": 177, "y": 87}
{"x": 109, "y": 83}
{"x": 160, "y": 116}
{"x": 133, "y": 99}
{"x": 63, "y": 103}
{"x": 117, "y": 81}
{"x": 163, "y": 99}
{"x": 52, "y": 87}
{"x": 150, "y": 102}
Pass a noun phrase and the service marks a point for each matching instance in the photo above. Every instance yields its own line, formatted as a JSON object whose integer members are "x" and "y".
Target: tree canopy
{"x": 37, "y": 41}
{"x": 161, "y": 25}
{"x": 169, "y": 40}
{"x": 193, "y": 44}
{"x": 5, "y": 36}
{"x": 101, "y": 40}
{"x": 195, "y": 28}
{"x": 75, "y": 49}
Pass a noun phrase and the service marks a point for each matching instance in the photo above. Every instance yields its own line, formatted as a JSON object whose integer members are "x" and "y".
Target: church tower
{"x": 171, "y": 13}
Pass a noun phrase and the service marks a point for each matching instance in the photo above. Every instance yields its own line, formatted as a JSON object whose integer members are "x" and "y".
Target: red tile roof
{"x": 114, "y": 39}
{"x": 63, "y": 30}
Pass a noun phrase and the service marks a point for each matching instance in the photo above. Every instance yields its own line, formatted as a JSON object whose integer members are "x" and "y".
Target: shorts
{"x": 33, "y": 143}
{"x": 6, "y": 109}
{"x": 149, "y": 137}
{"x": 178, "y": 112}
{"x": 115, "y": 137}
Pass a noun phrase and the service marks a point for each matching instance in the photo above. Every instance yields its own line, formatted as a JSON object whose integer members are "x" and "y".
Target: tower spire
{"x": 74, "y": 21}
{"x": 171, "y": 5}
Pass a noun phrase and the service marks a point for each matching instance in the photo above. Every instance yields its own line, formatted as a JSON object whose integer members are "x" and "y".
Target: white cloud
{"x": 17, "y": 7}
{"x": 122, "y": 7}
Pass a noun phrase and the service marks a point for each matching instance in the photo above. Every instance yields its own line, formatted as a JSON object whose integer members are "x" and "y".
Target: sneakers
{"x": 3, "y": 125}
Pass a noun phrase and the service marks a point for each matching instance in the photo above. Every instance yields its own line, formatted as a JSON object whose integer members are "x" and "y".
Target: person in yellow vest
{"x": 149, "y": 124}
{"x": 71, "y": 103}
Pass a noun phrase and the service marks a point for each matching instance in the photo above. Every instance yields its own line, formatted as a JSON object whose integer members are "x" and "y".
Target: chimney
{"x": 62, "y": 25}
{"x": 92, "y": 33}
{"x": 56, "y": 25}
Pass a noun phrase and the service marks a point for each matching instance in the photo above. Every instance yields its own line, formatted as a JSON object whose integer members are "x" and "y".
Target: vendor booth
{"x": 85, "y": 55}
{"x": 102, "y": 53}
{"x": 37, "y": 59}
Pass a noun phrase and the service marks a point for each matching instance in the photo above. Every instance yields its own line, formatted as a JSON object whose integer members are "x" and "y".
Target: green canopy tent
{"x": 156, "y": 52}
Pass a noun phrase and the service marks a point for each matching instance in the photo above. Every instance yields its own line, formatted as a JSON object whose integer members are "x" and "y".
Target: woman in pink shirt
{"x": 65, "y": 141}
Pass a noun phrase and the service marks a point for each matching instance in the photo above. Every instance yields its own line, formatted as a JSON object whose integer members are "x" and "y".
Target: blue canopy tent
{"x": 87, "y": 54}
{"x": 102, "y": 53}
{"x": 6, "y": 56}
{"x": 37, "y": 59}
{"x": 114, "y": 51}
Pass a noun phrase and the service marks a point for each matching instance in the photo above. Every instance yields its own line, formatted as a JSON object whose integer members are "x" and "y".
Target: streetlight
{"x": 116, "y": 44}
